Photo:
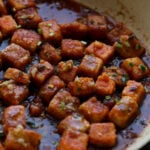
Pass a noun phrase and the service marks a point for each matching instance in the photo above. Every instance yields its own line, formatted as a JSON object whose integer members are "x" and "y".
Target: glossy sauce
{"x": 66, "y": 11}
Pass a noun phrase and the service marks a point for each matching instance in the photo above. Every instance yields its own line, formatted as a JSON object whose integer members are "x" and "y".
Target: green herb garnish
{"x": 39, "y": 31}
{"x": 127, "y": 44}
{"x": 142, "y": 67}
{"x": 62, "y": 105}
{"x": 137, "y": 46}
{"x": 119, "y": 45}
{"x": 107, "y": 97}
{"x": 131, "y": 64}
{"x": 39, "y": 43}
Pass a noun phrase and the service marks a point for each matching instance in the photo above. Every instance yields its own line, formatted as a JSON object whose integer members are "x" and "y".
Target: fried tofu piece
{"x": 12, "y": 93}
{"x": 103, "y": 134}
{"x": 97, "y": 26}
{"x": 129, "y": 46}
{"x": 17, "y": 75}
{"x": 50, "y": 88}
{"x": 3, "y": 10}
{"x": 93, "y": 110}
{"x": 72, "y": 48}
{"x": 74, "y": 122}
{"x": 23, "y": 139}
{"x": 105, "y": 85}
{"x": 119, "y": 30}
{"x": 100, "y": 50}
{"x": 82, "y": 86}
{"x": 27, "y": 39}
{"x": 119, "y": 75}
{"x": 40, "y": 72}
{"x": 90, "y": 66}
{"x": 73, "y": 140}
{"x": 49, "y": 53}
{"x": 135, "y": 90}
{"x": 50, "y": 30}
{"x": 135, "y": 67}
{"x": 67, "y": 71}
{"x": 63, "y": 104}
{"x": 15, "y": 56}
{"x": 16, "y": 5}
{"x": 13, "y": 116}
{"x": 74, "y": 30}
{"x": 7, "y": 25}
{"x": 124, "y": 112}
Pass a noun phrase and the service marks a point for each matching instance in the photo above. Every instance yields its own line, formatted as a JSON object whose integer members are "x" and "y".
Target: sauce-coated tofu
{"x": 28, "y": 18}
{"x": 3, "y": 10}
{"x": 27, "y": 39}
{"x": 15, "y": 56}
{"x": 75, "y": 30}
{"x": 13, "y": 116}
{"x": 67, "y": 71}
{"x": 23, "y": 139}
{"x": 49, "y": 53}
{"x": 11, "y": 93}
{"x": 101, "y": 50}
{"x": 135, "y": 90}
{"x": 63, "y": 104}
{"x": 93, "y": 110}
{"x": 82, "y": 86}
{"x": 72, "y": 48}
{"x": 97, "y": 26}
{"x": 7, "y": 25}
{"x": 103, "y": 134}
{"x": 40, "y": 72}
{"x": 16, "y": 5}
{"x": 74, "y": 122}
{"x": 90, "y": 66}
{"x": 135, "y": 68}
{"x": 50, "y": 87}
{"x": 124, "y": 112}
{"x": 17, "y": 75}
{"x": 105, "y": 85}
{"x": 50, "y": 30}
{"x": 119, "y": 30}
{"x": 119, "y": 75}
{"x": 73, "y": 140}
{"x": 129, "y": 46}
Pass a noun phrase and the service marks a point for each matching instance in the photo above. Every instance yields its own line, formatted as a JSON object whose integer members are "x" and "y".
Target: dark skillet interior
{"x": 64, "y": 11}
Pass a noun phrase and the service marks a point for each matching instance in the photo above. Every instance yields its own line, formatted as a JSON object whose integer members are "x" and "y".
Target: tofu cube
{"x": 74, "y": 30}
{"x": 135, "y": 90}
{"x": 50, "y": 31}
{"x": 63, "y": 104}
{"x": 74, "y": 122}
{"x": 50, "y": 88}
{"x": 73, "y": 140}
{"x": 105, "y": 85}
{"x": 72, "y": 49}
{"x": 3, "y": 10}
{"x": 135, "y": 68}
{"x": 129, "y": 46}
{"x": 40, "y": 72}
{"x": 82, "y": 86}
{"x": 119, "y": 30}
{"x": 49, "y": 53}
{"x": 15, "y": 56}
{"x": 67, "y": 71}
{"x": 13, "y": 94}
{"x": 28, "y": 18}
{"x": 16, "y": 5}
{"x": 90, "y": 66}
{"x": 93, "y": 110}
{"x": 27, "y": 39}
{"x": 19, "y": 138}
{"x": 119, "y": 75}
{"x": 17, "y": 75}
{"x": 100, "y": 50}
{"x": 13, "y": 116}
{"x": 97, "y": 26}
{"x": 103, "y": 134}
{"x": 124, "y": 112}
{"x": 7, "y": 25}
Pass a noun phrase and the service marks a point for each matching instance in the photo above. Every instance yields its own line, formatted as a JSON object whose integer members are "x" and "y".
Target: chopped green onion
{"x": 54, "y": 143}
{"x": 142, "y": 67}
{"x": 127, "y": 44}
{"x": 39, "y": 43}
{"x": 107, "y": 97}
{"x": 19, "y": 26}
{"x": 119, "y": 45}
{"x": 131, "y": 64}
{"x": 39, "y": 31}
{"x": 50, "y": 25}
{"x": 137, "y": 46}
{"x": 125, "y": 78}
{"x": 62, "y": 105}
{"x": 116, "y": 100}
